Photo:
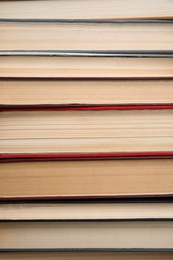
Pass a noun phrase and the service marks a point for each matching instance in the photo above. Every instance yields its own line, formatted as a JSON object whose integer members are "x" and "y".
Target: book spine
{"x": 84, "y": 156}
{"x": 79, "y": 107}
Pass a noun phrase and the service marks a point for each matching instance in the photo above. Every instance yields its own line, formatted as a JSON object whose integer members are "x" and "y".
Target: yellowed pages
{"x": 86, "y": 178}
{"x": 85, "y": 235}
{"x": 60, "y": 92}
{"x": 87, "y": 9}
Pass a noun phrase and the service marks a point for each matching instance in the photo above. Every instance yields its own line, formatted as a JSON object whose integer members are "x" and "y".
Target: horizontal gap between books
{"x": 64, "y": 198}
{"x": 136, "y": 79}
{"x": 86, "y": 21}
{"x": 86, "y": 250}
{"x": 88, "y": 220}
{"x": 92, "y": 53}
{"x": 129, "y": 200}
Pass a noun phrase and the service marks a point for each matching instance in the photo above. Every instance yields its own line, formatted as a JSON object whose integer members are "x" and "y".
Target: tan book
{"x": 84, "y": 67}
{"x": 70, "y": 131}
{"x": 121, "y": 235}
{"x": 87, "y": 9}
{"x": 85, "y": 211}
{"x": 92, "y": 92}
{"x": 81, "y": 179}
{"x": 86, "y": 36}
{"x": 86, "y": 255}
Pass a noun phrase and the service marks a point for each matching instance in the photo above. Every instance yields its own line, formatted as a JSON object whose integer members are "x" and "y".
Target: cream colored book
{"x": 92, "y": 92}
{"x": 121, "y": 235}
{"x": 84, "y": 67}
{"x": 100, "y": 131}
{"x": 64, "y": 36}
{"x": 85, "y": 211}
{"x": 86, "y": 179}
{"x": 87, "y": 9}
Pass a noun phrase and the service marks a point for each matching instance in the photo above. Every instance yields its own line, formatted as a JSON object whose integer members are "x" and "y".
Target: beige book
{"x": 85, "y": 67}
{"x": 69, "y": 179}
{"x": 85, "y": 36}
{"x": 86, "y": 255}
{"x": 60, "y": 92}
{"x": 87, "y": 235}
{"x": 86, "y": 131}
{"x": 87, "y": 9}
{"x": 85, "y": 211}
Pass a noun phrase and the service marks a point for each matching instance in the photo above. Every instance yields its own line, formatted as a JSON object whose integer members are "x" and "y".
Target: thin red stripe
{"x": 87, "y": 155}
{"x": 86, "y": 107}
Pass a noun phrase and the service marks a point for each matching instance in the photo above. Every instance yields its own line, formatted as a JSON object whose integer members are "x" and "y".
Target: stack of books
{"x": 86, "y": 123}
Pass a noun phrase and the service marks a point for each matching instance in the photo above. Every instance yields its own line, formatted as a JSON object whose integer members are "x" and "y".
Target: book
{"x": 82, "y": 131}
{"x": 85, "y": 178}
{"x": 86, "y": 36}
{"x": 85, "y": 255}
{"x": 86, "y": 210}
{"x": 53, "y": 92}
{"x": 78, "y": 235}
{"x": 26, "y": 65}
{"x": 86, "y": 9}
